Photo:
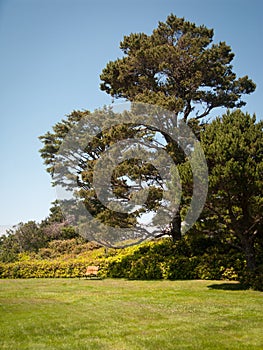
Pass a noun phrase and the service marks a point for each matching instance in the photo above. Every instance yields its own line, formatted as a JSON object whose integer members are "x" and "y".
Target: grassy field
{"x": 128, "y": 315}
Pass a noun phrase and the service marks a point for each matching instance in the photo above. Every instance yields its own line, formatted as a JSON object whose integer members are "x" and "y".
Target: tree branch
{"x": 206, "y": 112}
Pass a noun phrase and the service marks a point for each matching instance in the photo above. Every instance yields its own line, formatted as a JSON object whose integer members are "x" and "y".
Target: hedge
{"x": 43, "y": 269}
{"x": 151, "y": 260}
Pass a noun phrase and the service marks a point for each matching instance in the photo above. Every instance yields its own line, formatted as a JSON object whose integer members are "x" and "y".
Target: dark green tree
{"x": 52, "y": 141}
{"x": 179, "y": 68}
{"x": 233, "y": 147}
{"x": 56, "y": 214}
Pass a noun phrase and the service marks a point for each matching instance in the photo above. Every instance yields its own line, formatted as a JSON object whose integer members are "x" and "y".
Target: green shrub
{"x": 118, "y": 267}
{"x": 160, "y": 259}
{"x": 253, "y": 279}
{"x": 166, "y": 260}
{"x": 145, "y": 268}
{"x": 182, "y": 268}
{"x": 43, "y": 269}
{"x": 229, "y": 273}
{"x": 199, "y": 244}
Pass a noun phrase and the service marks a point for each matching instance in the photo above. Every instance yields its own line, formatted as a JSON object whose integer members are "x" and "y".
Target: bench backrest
{"x": 92, "y": 270}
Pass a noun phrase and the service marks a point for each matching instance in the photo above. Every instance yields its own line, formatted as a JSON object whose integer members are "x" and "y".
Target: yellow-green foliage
{"x": 159, "y": 259}
{"x": 61, "y": 258}
{"x": 164, "y": 260}
{"x": 58, "y": 268}
{"x": 70, "y": 248}
{"x": 43, "y": 269}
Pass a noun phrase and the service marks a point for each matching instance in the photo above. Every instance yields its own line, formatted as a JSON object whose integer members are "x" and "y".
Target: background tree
{"x": 9, "y": 247}
{"x": 56, "y": 226}
{"x": 233, "y": 146}
{"x": 179, "y": 68}
{"x": 24, "y": 237}
{"x": 31, "y": 236}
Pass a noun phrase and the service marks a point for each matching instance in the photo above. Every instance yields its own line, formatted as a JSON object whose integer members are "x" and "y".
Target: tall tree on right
{"x": 177, "y": 67}
{"x": 233, "y": 147}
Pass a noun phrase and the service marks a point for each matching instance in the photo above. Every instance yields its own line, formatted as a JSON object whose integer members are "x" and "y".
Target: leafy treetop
{"x": 177, "y": 67}
{"x": 233, "y": 146}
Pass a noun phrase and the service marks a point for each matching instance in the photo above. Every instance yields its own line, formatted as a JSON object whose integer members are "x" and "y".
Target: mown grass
{"x": 128, "y": 315}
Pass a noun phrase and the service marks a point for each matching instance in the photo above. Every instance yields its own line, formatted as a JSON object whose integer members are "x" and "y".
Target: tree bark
{"x": 249, "y": 250}
{"x": 176, "y": 227}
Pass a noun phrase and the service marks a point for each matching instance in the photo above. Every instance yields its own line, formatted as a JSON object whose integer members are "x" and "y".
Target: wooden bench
{"x": 92, "y": 271}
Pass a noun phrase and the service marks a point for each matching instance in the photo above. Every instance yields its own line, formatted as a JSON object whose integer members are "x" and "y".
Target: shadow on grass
{"x": 227, "y": 286}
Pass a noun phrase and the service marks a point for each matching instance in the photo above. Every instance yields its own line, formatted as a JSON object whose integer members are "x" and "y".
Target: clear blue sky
{"x": 52, "y": 53}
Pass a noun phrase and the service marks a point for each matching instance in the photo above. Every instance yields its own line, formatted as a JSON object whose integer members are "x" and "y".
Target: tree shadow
{"x": 227, "y": 286}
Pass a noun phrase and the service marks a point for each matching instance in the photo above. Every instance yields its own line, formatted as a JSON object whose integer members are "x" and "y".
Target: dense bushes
{"x": 53, "y": 249}
{"x": 152, "y": 260}
{"x": 67, "y": 248}
{"x": 43, "y": 269}
{"x": 253, "y": 279}
{"x": 61, "y": 258}
{"x": 163, "y": 260}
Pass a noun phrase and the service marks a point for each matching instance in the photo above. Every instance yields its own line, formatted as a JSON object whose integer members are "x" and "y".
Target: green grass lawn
{"x": 128, "y": 315}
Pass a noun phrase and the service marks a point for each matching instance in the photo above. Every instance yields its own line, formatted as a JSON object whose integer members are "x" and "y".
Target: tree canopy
{"x": 177, "y": 67}
{"x": 233, "y": 147}
{"x": 135, "y": 177}
{"x": 180, "y": 68}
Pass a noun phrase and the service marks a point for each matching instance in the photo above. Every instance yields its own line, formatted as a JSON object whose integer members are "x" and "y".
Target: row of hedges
{"x": 212, "y": 267}
{"x": 43, "y": 269}
{"x": 143, "y": 268}
{"x": 148, "y": 261}
{"x": 187, "y": 259}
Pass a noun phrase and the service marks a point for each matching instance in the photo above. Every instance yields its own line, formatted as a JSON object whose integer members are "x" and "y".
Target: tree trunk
{"x": 249, "y": 250}
{"x": 176, "y": 227}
